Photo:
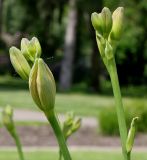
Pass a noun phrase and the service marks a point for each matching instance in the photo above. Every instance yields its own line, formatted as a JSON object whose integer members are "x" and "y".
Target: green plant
{"x": 108, "y": 28}
{"x": 30, "y": 66}
{"x": 7, "y": 119}
{"x": 70, "y": 125}
{"x": 108, "y": 123}
{"x": 111, "y": 128}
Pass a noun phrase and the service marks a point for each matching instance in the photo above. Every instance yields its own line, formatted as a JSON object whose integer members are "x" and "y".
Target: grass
{"x": 15, "y": 92}
{"x": 81, "y": 104}
{"x": 77, "y": 155}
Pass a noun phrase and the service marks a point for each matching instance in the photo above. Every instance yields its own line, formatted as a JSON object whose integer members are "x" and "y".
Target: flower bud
{"x": 7, "y": 118}
{"x": 76, "y": 125}
{"x": 107, "y": 21}
{"x": 42, "y": 86}
{"x": 117, "y": 27}
{"x": 102, "y": 22}
{"x": 71, "y": 125}
{"x": 131, "y": 135}
{"x": 31, "y": 49}
{"x": 97, "y": 21}
{"x": 19, "y": 63}
{"x": 108, "y": 51}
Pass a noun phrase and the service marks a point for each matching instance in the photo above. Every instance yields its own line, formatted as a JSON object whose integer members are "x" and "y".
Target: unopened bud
{"x": 76, "y": 125}
{"x": 97, "y": 22}
{"x": 131, "y": 135}
{"x": 31, "y": 49}
{"x": 102, "y": 22}
{"x": 42, "y": 86}
{"x": 7, "y": 118}
{"x": 71, "y": 125}
{"x": 118, "y": 20}
{"x": 107, "y": 21}
{"x": 19, "y": 63}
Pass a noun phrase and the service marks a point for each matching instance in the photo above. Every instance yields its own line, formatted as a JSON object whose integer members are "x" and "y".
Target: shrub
{"x": 108, "y": 119}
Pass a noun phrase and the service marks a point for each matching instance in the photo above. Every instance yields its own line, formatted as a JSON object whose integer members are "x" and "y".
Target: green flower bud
{"x": 31, "y": 49}
{"x": 76, "y": 125}
{"x": 118, "y": 20}
{"x": 42, "y": 86}
{"x": 71, "y": 125}
{"x": 108, "y": 51}
{"x": 19, "y": 63}
{"x": 107, "y": 21}
{"x": 69, "y": 120}
{"x": 102, "y": 22}
{"x": 97, "y": 21}
{"x": 7, "y": 118}
{"x": 131, "y": 135}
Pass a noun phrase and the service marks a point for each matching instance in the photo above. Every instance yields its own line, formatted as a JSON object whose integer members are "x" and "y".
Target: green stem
{"x": 18, "y": 145}
{"x": 60, "y": 155}
{"x": 59, "y": 135}
{"x": 119, "y": 106}
{"x": 129, "y": 156}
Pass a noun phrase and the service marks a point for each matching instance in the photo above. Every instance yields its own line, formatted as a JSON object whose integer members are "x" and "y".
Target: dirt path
{"x": 28, "y": 115}
{"x": 42, "y": 135}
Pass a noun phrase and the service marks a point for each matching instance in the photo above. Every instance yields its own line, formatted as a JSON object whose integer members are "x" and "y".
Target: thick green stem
{"x": 129, "y": 156}
{"x": 59, "y": 135}
{"x": 60, "y": 155}
{"x": 119, "y": 106}
{"x": 18, "y": 144}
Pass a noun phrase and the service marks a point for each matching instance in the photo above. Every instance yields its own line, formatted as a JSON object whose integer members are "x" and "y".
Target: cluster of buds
{"x": 30, "y": 66}
{"x": 108, "y": 29}
{"x": 70, "y": 125}
{"x": 22, "y": 59}
{"x": 7, "y": 119}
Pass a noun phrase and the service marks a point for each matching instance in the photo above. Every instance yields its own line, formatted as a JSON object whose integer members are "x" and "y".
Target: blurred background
{"x": 67, "y": 37}
{"x": 64, "y": 30}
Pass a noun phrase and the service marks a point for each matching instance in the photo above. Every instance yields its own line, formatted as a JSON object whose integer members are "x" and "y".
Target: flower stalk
{"x": 43, "y": 90}
{"x": 52, "y": 118}
{"x": 30, "y": 66}
{"x": 119, "y": 106}
{"x": 70, "y": 126}
{"x": 7, "y": 118}
{"x": 112, "y": 27}
{"x": 18, "y": 144}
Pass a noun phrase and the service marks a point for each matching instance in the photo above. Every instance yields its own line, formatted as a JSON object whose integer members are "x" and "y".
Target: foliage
{"x": 108, "y": 119}
{"x": 49, "y": 25}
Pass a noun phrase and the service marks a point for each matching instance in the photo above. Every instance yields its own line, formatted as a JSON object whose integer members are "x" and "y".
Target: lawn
{"x": 15, "y": 92}
{"x": 77, "y": 155}
{"x": 82, "y": 104}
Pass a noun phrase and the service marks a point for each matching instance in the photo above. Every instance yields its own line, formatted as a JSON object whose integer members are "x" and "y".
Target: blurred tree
{"x": 96, "y": 67}
{"x": 48, "y": 20}
{"x": 1, "y": 8}
{"x": 81, "y": 10}
{"x": 69, "y": 48}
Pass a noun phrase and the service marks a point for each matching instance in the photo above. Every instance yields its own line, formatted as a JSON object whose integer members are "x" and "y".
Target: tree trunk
{"x": 66, "y": 73}
{"x": 1, "y": 9}
{"x": 95, "y": 67}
